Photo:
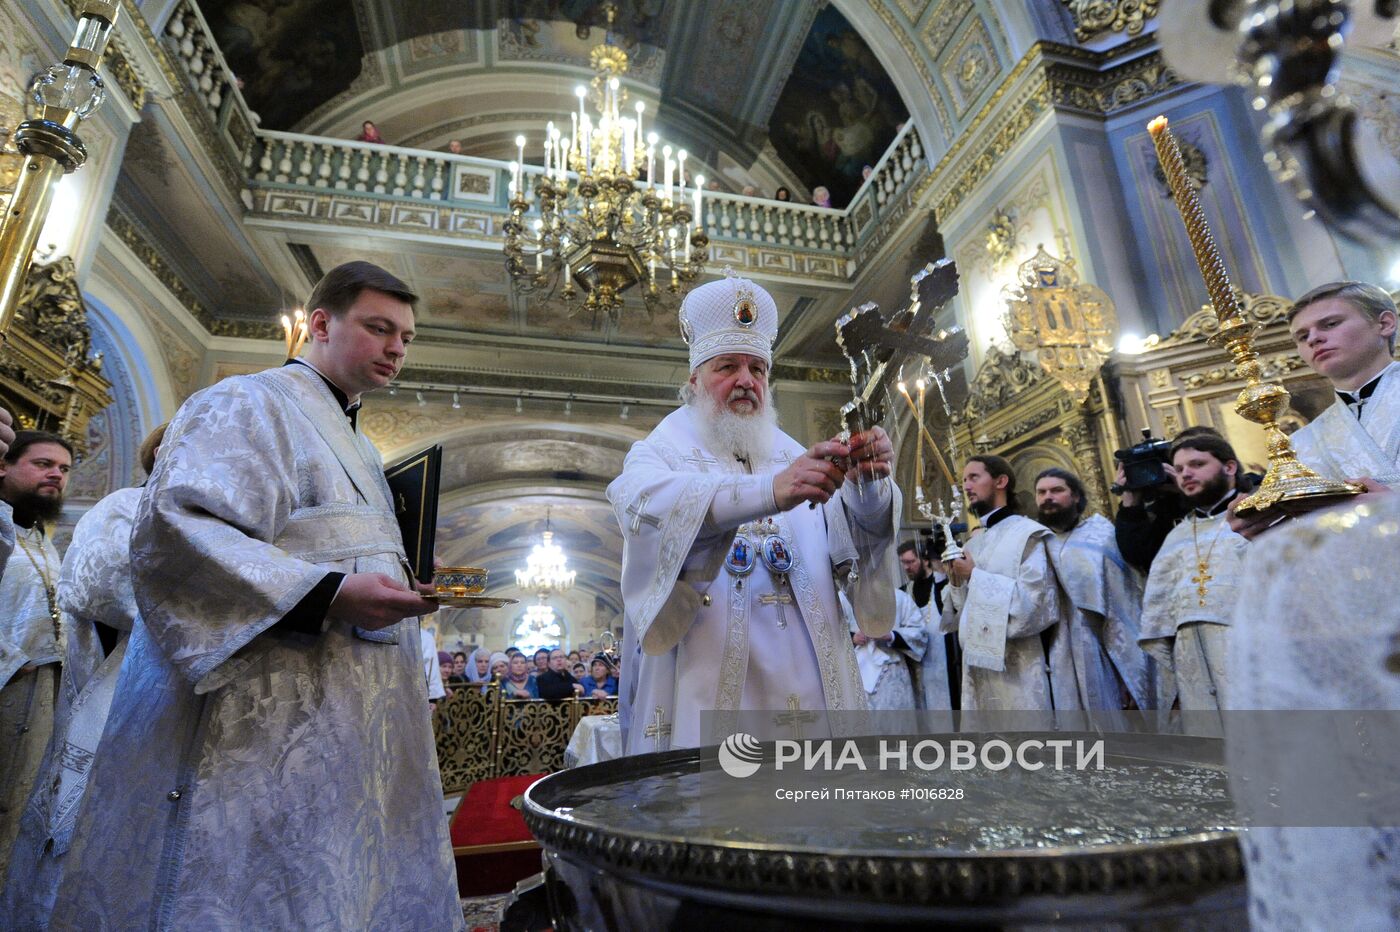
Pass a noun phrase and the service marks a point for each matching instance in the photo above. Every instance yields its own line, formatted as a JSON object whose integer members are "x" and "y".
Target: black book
{"x": 413, "y": 484}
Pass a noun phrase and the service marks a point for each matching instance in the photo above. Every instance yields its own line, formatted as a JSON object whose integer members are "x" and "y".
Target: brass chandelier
{"x": 595, "y": 218}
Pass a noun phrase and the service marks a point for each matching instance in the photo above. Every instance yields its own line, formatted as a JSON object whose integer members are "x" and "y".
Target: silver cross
{"x": 794, "y": 717}
{"x": 639, "y": 514}
{"x": 701, "y": 460}
{"x": 658, "y": 729}
{"x": 779, "y": 599}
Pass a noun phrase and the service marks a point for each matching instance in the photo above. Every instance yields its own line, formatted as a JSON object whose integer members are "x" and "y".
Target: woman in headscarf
{"x": 499, "y": 669}
{"x": 519, "y": 684}
{"x": 478, "y": 666}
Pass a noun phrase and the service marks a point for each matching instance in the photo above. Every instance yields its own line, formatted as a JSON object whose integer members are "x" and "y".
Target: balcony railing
{"x": 342, "y": 181}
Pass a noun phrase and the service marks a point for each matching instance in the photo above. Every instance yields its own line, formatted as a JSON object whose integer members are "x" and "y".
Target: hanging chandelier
{"x": 595, "y": 218}
{"x": 546, "y": 568}
{"x": 539, "y": 618}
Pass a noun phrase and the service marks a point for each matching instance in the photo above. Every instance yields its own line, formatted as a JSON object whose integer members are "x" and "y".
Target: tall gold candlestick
{"x": 1287, "y": 480}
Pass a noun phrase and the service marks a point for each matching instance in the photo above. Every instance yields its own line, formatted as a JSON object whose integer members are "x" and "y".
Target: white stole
{"x": 1340, "y": 445}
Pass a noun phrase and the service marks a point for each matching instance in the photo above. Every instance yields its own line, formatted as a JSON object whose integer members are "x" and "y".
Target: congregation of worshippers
{"x": 216, "y": 704}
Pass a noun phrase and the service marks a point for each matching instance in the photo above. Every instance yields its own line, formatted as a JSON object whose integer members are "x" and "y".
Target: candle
{"x": 651, "y": 153}
{"x": 699, "y": 186}
{"x": 641, "y": 107}
{"x": 667, "y": 166}
{"x": 579, "y": 92}
{"x": 1222, "y": 298}
{"x": 548, "y": 145}
{"x": 680, "y": 174}
{"x": 520, "y": 146}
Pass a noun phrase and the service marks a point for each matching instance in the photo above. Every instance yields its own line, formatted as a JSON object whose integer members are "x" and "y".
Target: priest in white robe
{"x": 885, "y": 662}
{"x": 7, "y": 525}
{"x": 729, "y": 578}
{"x": 1106, "y": 594}
{"x": 1308, "y": 640}
{"x": 1194, "y": 585}
{"x": 33, "y": 475}
{"x": 1345, "y": 331}
{"x": 268, "y": 761}
{"x": 94, "y": 592}
{"x": 1005, "y": 604}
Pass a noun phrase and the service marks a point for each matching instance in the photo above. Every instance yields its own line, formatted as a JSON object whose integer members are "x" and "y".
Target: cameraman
{"x": 1152, "y": 504}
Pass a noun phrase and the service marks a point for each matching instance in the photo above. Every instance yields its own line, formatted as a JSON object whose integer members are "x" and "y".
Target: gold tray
{"x": 470, "y": 601}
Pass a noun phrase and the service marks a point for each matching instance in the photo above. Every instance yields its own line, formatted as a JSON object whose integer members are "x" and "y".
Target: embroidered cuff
{"x": 740, "y": 499}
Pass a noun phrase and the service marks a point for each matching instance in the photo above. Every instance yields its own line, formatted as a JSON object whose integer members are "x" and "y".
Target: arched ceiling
{"x": 760, "y": 91}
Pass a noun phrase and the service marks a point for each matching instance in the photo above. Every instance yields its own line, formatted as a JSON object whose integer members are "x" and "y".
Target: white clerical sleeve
{"x": 861, "y": 540}
{"x": 428, "y": 644}
{"x": 7, "y": 534}
{"x": 670, "y": 551}
{"x": 1016, "y": 606}
{"x": 95, "y": 582}
{"x": 208, "y": 578}
{"x": 11, "y": 658}
{"x": 909, "y": 625}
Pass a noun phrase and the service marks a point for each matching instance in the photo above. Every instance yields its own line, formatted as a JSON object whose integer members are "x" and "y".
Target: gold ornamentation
{"x": 1194, "y": 160}
{"x": 481, "y": 735}
{"x": 1203, "y": 575}
{"x": 1067, "y": 324}
{"x": 1260, "y": 310}
{"x": 1287, "y": 479}
{"x": 1001, "y": 237}
{"x": 48, "y": 577}
{"x": 1092, "y": 17}
{"x": 1273, "y": 368}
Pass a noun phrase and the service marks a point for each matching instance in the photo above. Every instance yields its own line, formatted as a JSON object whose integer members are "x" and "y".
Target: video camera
{"x": 1143, "y": 464}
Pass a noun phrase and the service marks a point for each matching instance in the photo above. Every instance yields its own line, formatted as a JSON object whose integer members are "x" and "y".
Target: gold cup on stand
{"x": 1288, "y": 483}
{"x": 459, "y": 581}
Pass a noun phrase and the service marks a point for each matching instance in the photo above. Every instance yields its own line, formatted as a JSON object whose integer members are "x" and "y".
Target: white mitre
{"x": 732, "y": 315}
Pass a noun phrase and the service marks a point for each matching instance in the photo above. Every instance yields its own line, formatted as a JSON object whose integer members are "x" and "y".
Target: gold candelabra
{"x": 1287, "y": 480}
{"x": 66, "y": 94}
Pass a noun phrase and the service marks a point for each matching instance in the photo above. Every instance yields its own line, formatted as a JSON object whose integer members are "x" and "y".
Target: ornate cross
{"x": 700, "y": 460}
{"x": 794, "y": 717}
{"x": 1200, "y": 579}
{"x": 638, "y": 511}
{"x": 658, "y": 729}
{"x": 779, "y": 599}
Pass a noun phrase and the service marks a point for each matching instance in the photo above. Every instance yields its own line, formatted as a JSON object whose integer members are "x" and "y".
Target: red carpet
{"x": 492, "y": 846}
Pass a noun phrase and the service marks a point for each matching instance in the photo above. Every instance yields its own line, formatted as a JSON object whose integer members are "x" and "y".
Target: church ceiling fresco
{"x": 290, "y": 54}
{"x": 839, "y": 110}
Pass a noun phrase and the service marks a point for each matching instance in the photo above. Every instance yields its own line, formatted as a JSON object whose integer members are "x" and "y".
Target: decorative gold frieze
{"x": 1259, "y": 309}
{"x": 1068, "y": 324}
{"x": 1093, "y": 17}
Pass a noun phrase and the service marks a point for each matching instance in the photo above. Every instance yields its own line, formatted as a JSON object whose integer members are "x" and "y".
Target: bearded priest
{"x": 735, "y": 540}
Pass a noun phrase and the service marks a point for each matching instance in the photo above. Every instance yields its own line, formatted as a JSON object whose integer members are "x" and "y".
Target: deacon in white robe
{"x": 1194, "y": 585}
{"x": 884, "y": 662}
{"x": 1345, "y": 331}
{"x": 32, "y": 480}
{"x": 729, "y": 579}
{"x": 1106, "y": 594}
{"x": 94, "y": 588}
{"x": 1004, "y": 603}
{"x": 268, "y": 761}
{"x": 1307, "y": 640}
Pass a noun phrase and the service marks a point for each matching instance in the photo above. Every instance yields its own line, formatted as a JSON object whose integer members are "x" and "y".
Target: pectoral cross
{"x": 1200, "y": 579}
{"x": 638, "y": 511}
{"x": 658, "y": 729}
{"x": 779, "y": 599}
{"x": 700, "y": 460}
{"x": 794, "y": 717}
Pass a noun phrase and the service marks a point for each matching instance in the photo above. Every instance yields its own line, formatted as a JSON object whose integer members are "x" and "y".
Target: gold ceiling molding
{"x": 1060, "y": 77}
{"x": 1093, "y": 17}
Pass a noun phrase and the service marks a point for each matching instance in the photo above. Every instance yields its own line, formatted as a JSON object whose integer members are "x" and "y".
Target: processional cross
{"x": 658, "y": 729}
{"x": 794, "y": 717}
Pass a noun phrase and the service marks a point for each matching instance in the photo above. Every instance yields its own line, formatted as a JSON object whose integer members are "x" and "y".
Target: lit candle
{"x": 548, "y": 145}
{"x": 680, "y": 174}
{"x": 699, "y": 186}
{"x": 580, "y": 91}
{"x": 667, "y": 166}
{"x": 613, "y": 85}
{"x": 641, "y": 107}
{"x": 566, "y": 149}
{"x": 651, "y": 154}
{"x": 520, "y": 146}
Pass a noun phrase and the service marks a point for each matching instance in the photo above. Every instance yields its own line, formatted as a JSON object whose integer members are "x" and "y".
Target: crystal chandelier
{"x": 546, "y": 568}
{"x": 596, "y": 218}
{"x": 539, "y": 618}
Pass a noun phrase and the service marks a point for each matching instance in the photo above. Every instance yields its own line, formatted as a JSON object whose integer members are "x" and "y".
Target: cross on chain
{"x": 658, "y": 729}
{"x": 638, "y": 511}
{"x": 779, "y": 599}
{"x": 794, "y": 717}
{"x": 1200, "y": 579}
{"x": 699, "y": 459}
